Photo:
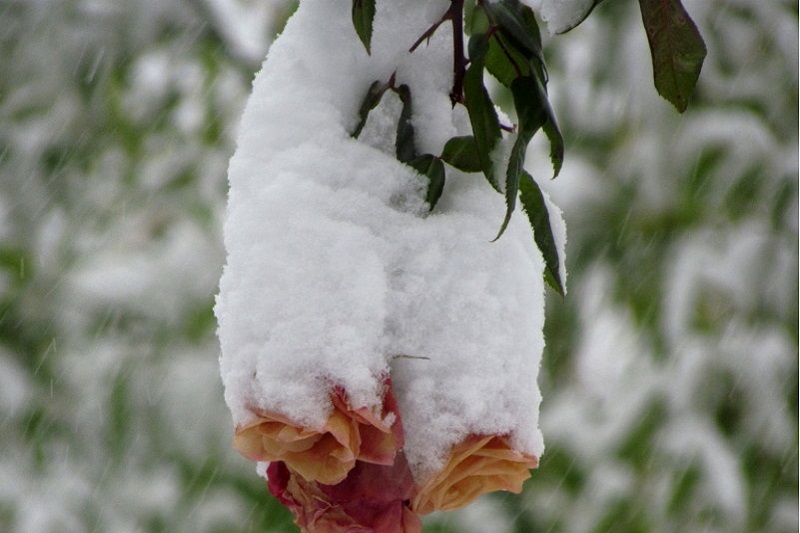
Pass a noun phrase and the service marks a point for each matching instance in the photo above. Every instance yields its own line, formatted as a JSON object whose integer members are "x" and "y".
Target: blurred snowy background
{"x": 671, "y": 373}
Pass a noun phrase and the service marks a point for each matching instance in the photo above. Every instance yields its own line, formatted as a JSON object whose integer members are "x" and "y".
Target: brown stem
{"x": 455, "y": 14}
{"x": 459, "y": 61}
{"x": 430, "y": 31}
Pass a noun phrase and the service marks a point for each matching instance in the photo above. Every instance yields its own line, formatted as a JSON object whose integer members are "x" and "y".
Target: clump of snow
{"x": 561, "y": 15}
{"x": 336, "y": 273}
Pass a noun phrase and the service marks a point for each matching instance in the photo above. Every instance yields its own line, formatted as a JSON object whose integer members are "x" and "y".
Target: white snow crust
{"x": 336, "y": 273}
{"x": 561, "y": 15}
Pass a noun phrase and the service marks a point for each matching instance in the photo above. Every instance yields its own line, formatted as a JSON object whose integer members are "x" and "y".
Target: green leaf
{"x": 551, "y": 129}
{"x": 504, "y": 61}
{"x": 515, "y": 165}
{"x": 531, "y": 116}
{"x": 363, "y": 15}
{"x": 677, "y": 49}
{"x": 518, "y": 24}
{"x": 482, "y": 114}
{"x": 404, "y": 144}
{"x": 535, "y": 207}
{"x": 475, "y": 20}
{"x": 515, "y": 48}
{"x": 370, "y": 102}
{"x": 508, "y": 60}
{"x": 553, "y": 133}
{"x": 432, "y": 167}
{"x": 462, "y": 153}
{"x": 477, "y": 48}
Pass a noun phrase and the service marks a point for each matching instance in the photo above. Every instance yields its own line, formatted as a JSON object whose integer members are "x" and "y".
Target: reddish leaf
{"x": 677, "y": 48}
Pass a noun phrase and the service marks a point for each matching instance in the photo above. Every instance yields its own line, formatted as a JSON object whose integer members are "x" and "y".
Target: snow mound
{"x": 337, "y": 275}
{"x": 561, "y": 15}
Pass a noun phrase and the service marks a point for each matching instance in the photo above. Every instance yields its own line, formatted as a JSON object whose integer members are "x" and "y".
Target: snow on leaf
{"x": 432, "y": 167}
{"x": 534, "y": 205}
{"x": 532, "y": 116}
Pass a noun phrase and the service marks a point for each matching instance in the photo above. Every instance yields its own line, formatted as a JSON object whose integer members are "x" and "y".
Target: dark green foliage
{"x": 462, "y": 153}
{"x": 515, "y": 52}
{"x": 370, "y": 102}
{"x": 677, "y": 49}
{"x": 432, "y": 167}
{"x": 507, "y": 43}
{"x": 482, "y": 115}
{"x": 518, "y": 24}
{"x": 504, "y": 62}
{"x": 428, "y": 165}
{"x": 404, "y": 144}
{"x": 531, "y": 117}
{"x": 363, "y": 16}
{"x": 535, "y": 208}
{"x": 553, "y": 133}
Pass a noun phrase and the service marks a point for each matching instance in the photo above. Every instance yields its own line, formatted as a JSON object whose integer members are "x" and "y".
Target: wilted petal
{"x": 373, "y": 499}
{"x": 477, "y": 465}
{"x": 303, "y": 498}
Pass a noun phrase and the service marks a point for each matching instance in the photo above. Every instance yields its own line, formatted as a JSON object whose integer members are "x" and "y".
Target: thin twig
{"x": 403, "y": 356}
{"x": 430, "y": 31}
{"x": 455, "y": 14}
{"x": 459, "y": 61}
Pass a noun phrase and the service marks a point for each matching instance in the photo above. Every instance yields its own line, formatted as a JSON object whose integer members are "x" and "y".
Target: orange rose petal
{"x": 326, "y": 454}
{"x": 293, "y": 446}
{"x": 379, "y": 440}
{"x": 328, "y": 462}
{"x": 276, "y": 436}
{"x": 477, "y": 465}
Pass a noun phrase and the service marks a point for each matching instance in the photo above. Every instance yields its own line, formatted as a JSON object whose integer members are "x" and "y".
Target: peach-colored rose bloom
{"x": 351, "y": 476}
{"x": 477, "y": 465}
{"x": 328, "y": 453}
